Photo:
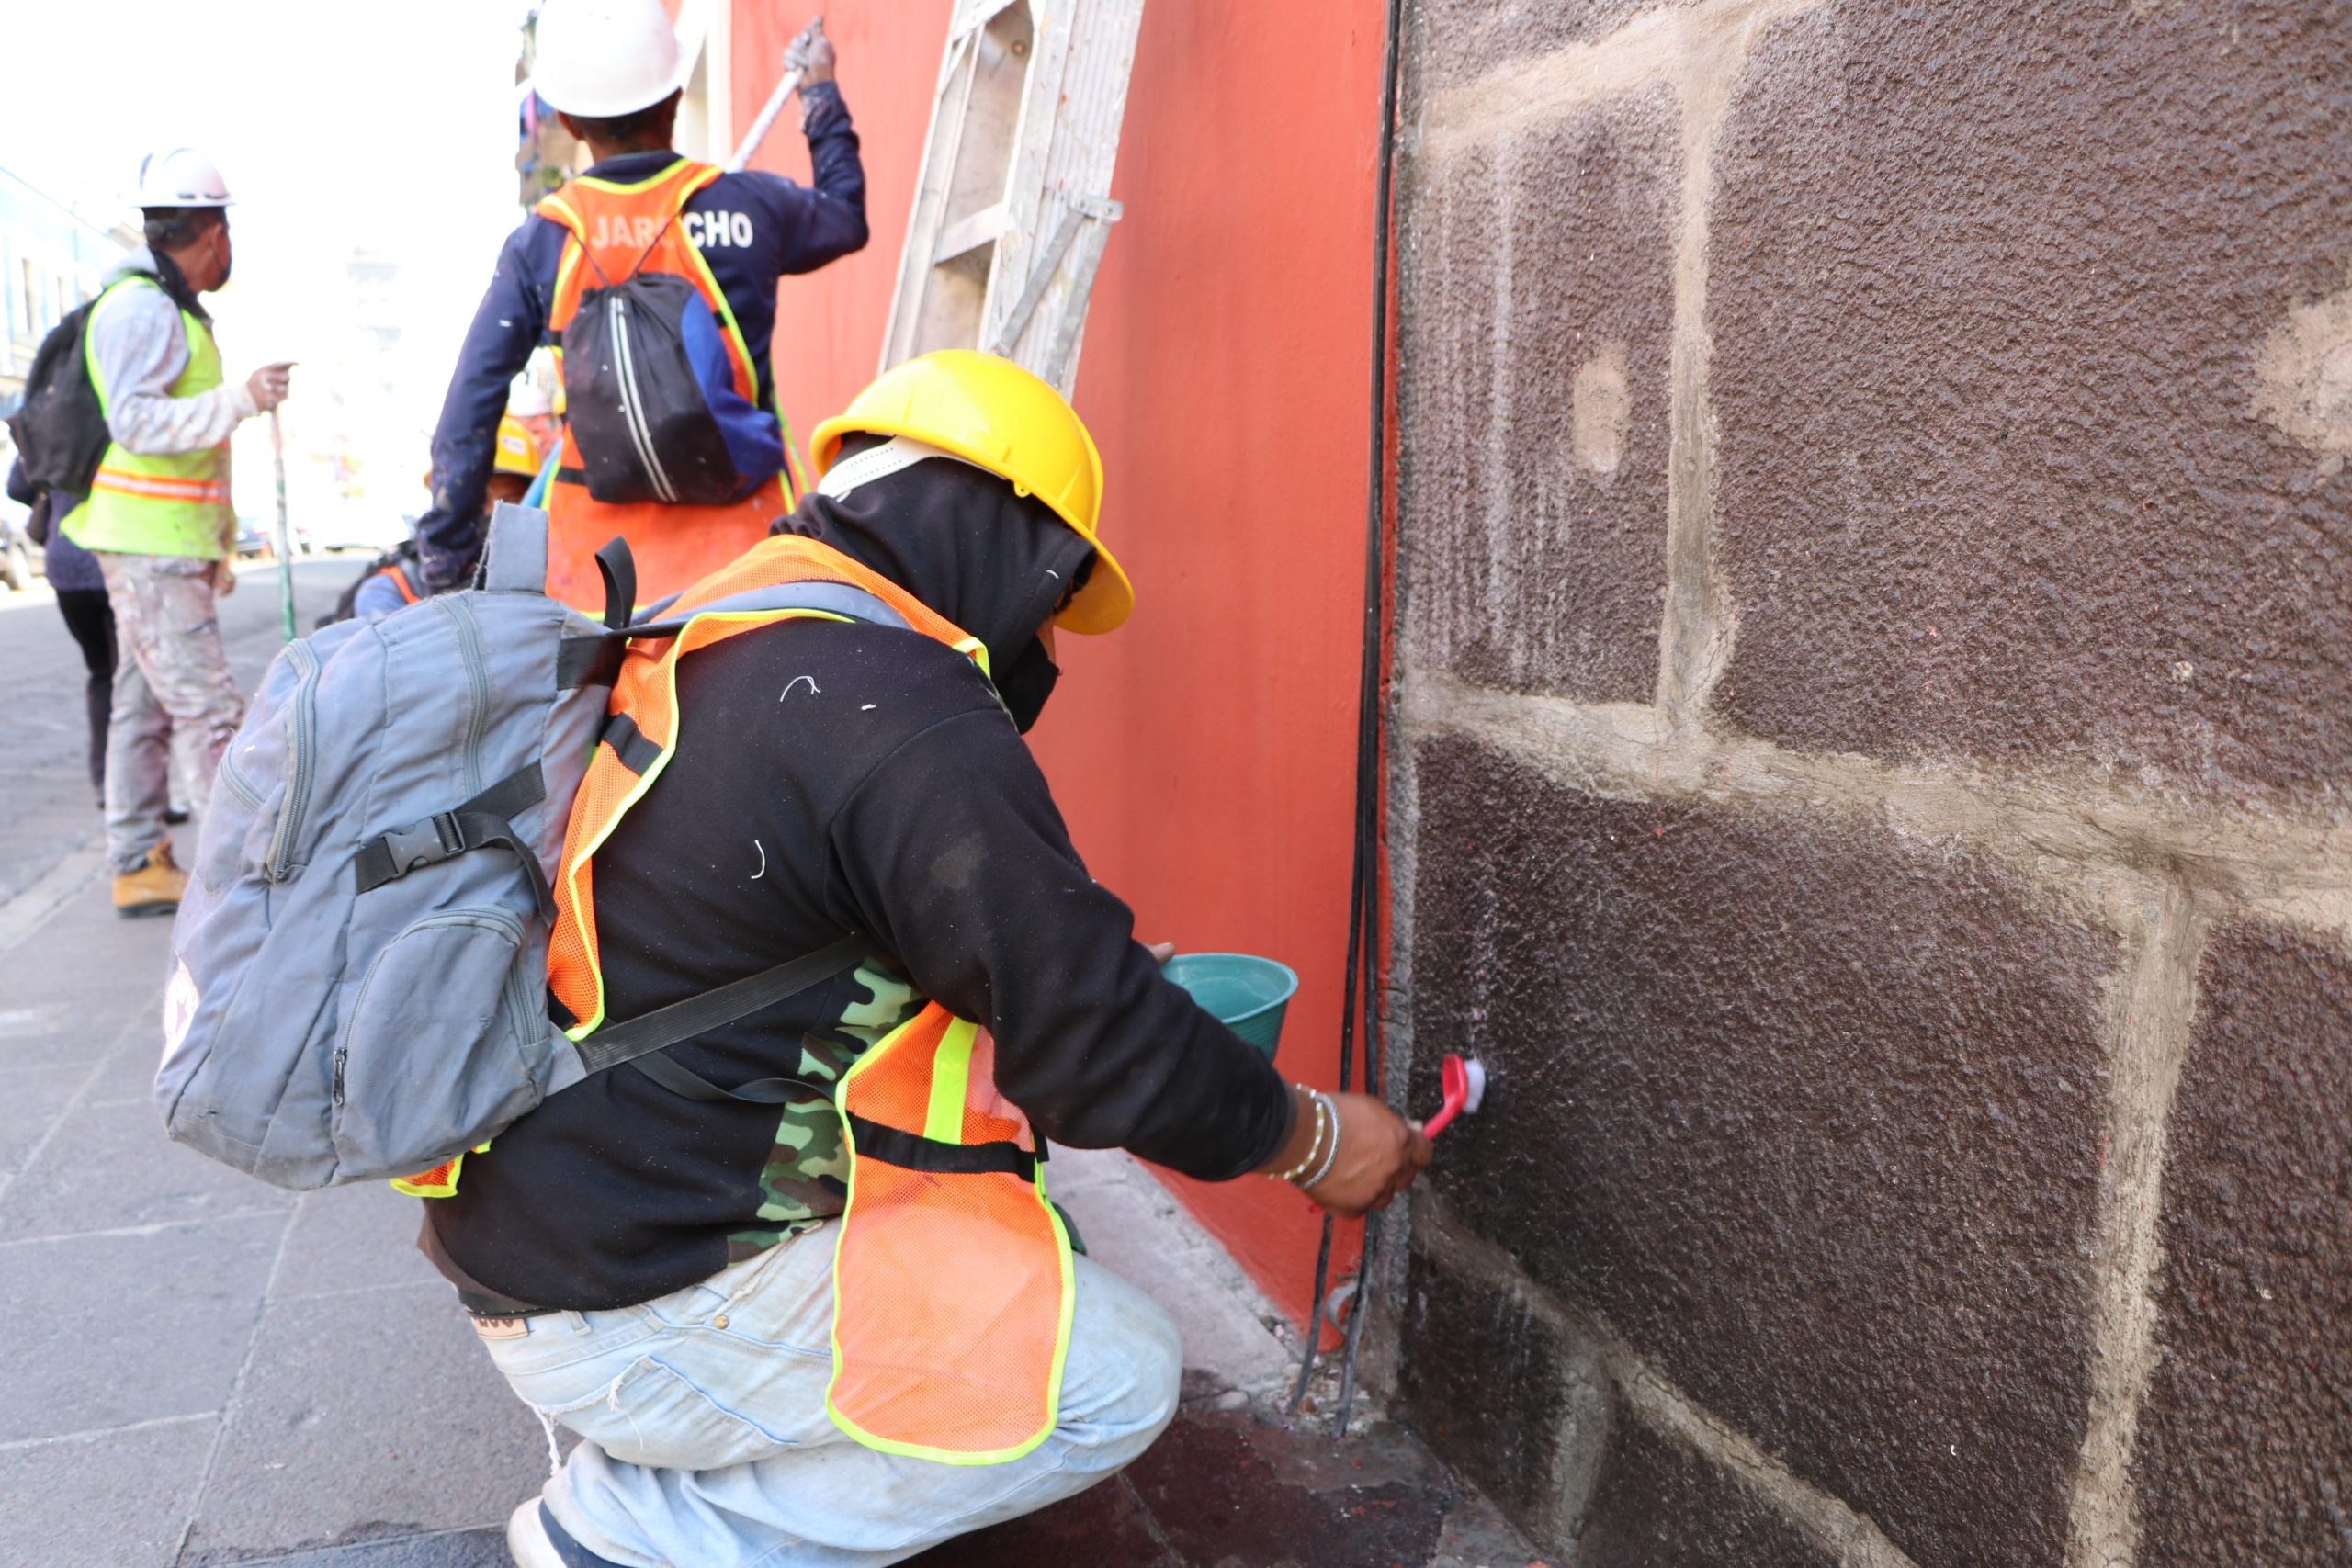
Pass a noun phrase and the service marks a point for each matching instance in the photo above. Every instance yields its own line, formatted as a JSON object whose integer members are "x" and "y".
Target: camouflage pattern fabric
{"x": 805, "y": 1179}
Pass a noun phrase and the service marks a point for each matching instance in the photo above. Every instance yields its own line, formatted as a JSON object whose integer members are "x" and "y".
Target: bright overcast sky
{"x": 339, "y": 126}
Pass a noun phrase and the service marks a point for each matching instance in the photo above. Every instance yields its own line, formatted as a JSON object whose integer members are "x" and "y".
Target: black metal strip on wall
{"x": 1361, "y": 993}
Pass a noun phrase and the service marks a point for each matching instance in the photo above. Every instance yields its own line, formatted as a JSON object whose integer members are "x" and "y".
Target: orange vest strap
{"x": 615, "y": 231}
{"x": 639, "y": 736}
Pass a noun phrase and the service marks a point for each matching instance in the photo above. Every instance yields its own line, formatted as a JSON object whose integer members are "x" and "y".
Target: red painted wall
{"x": 1203, "y": 754}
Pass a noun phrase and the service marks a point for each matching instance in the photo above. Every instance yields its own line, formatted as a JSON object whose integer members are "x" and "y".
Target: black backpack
{"x": 648, "y": 412}
{"x": 61, "y": 433}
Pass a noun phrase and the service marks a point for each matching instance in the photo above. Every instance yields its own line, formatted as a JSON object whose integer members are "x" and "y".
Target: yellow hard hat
{"x": 991, "y": 412}
{"x": 518, "y": 449}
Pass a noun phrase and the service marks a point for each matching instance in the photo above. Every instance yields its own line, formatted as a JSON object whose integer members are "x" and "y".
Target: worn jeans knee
{"x": 646, "y": 1486}
{"x": 1115, "y": 1405}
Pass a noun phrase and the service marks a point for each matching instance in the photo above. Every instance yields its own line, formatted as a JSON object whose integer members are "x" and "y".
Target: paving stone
{"x": 352, "y": 1238}
{"x": 127, "y": 1074}
{"x": 109, "y": 1500}
{"x": 113, "y": 1329}
{"x": 75, "y": 986}
{"x": 366, "y": 1415}
{"x": 1534, "y": 500}
{"x": 1811, "y": 1114}
{"x": 1659, "y": 1506}
{"x": 2029, "y": 447}
{"x": 442, "y": 1549}
{"x": 31, "y": 1098}
{"x": 1517, "y": 1404}
{"x": 2245, "y": 1439}
{"x": 109, "y": 1167}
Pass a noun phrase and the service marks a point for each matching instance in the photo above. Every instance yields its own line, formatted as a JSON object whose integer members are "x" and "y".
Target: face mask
{"x": 1026, "y": 683}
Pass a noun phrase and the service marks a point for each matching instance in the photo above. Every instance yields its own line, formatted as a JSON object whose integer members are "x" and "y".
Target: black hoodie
{"x": 830, "y": 777}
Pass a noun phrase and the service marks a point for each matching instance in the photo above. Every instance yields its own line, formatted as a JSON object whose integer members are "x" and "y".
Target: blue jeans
{"x": 707, "y": 1443}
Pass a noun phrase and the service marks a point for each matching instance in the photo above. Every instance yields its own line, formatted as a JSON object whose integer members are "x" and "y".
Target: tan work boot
{"x": 153, "y": 889}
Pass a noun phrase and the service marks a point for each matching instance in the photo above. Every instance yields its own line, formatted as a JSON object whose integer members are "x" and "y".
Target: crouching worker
{"x": 796, "y": 1284}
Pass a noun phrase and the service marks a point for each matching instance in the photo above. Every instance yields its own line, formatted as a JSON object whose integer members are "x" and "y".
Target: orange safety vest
{"x": 616, "y": 230}
{"x": 953, "y": 1286}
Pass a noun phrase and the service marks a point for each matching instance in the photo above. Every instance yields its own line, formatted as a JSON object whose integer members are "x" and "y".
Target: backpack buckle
{"x": 428, "y": 842}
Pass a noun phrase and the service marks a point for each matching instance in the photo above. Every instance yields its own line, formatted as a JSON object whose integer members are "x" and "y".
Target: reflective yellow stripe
{"x": 618, "y": 188}
{"x": 160, "y": 485}
{"x": 975, "y": 651}
{"x": 951, "y": 1080}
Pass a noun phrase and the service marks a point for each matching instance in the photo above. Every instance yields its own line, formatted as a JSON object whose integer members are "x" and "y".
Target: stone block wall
{"x": 1871, "y": 775}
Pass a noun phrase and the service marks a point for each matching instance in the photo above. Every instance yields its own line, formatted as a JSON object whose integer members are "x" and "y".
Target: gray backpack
{"x": 359, "y": 988}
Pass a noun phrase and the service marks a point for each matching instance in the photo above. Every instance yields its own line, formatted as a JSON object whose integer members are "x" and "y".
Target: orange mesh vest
{"x": 617, "y": 230}
{"x": 952, "y": 1279}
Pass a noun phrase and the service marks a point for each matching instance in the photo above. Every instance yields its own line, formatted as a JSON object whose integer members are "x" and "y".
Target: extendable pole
{"x": 285, "y": 532}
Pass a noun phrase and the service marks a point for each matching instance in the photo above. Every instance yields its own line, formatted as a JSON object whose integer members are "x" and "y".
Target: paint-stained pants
{"x": 173, "y": 693}
{"x": 708, "y": 1446}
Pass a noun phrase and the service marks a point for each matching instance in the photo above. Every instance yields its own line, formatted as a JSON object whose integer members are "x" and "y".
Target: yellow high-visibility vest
{"x": 171, "y": 505}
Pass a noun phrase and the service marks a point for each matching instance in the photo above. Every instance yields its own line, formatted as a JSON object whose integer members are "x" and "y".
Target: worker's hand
{"x": 811, "y": 54}
{"x": 1162, "y": 952}
{"x": 1380, "y": 1153}
{"x": 269, "y": 385}
{"x": 224, "y": 578}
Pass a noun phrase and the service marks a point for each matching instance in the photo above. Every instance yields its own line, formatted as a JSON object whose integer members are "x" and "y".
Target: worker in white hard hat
{"x": 158, "y": 516}
{"x": 613, "y": 71}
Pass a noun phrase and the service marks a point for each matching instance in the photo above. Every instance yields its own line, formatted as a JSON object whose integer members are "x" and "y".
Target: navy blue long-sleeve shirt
{"x": 752, "y": 229}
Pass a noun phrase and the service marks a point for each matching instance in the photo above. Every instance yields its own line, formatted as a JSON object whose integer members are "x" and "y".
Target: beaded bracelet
{"x": 1323, "y": 1121}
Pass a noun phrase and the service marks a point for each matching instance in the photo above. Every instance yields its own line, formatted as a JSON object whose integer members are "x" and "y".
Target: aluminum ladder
{"x": 1013, "y": 209}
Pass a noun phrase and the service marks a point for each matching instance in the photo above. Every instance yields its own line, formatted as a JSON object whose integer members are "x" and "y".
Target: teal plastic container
{"x": 1247, "y": 994}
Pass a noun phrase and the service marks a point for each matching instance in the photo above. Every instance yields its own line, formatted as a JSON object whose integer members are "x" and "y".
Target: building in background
{"x": 52, "y": 259}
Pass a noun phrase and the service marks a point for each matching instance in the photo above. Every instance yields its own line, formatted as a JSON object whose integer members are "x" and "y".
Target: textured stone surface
{"x": 351, "y": 1239}
{"x": 340, "y": 1431}
{"x": 2246, "y": 1444}
{"x": 1537, "y": 299}
{"x": 1810, "y": 1114}
{"x": 112, "y": 1329}
{"x": 1516, "y": 1404}
{"x": 117, "y": 1498}
{"x": 442, "y": 1548}
{"x": 1456, "y": 41}
{"x": 1657, "y": 1507}
{"x": 2021, "y": 447}
{"x": 72, "y": 1184}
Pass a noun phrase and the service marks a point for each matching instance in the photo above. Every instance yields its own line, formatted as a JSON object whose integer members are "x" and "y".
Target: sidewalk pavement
{"x": 208, "y": 1371}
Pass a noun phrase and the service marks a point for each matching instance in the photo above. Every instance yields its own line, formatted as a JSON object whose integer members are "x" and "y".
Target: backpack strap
{"x": 514, "y": 560}
{"x": 477, "y": 823}
{"x": 639, "y": 1041}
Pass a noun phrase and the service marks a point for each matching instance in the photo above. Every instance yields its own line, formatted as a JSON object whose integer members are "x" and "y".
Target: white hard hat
{"x": 181, "y": 177}
{"x": 601, "y": 58}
